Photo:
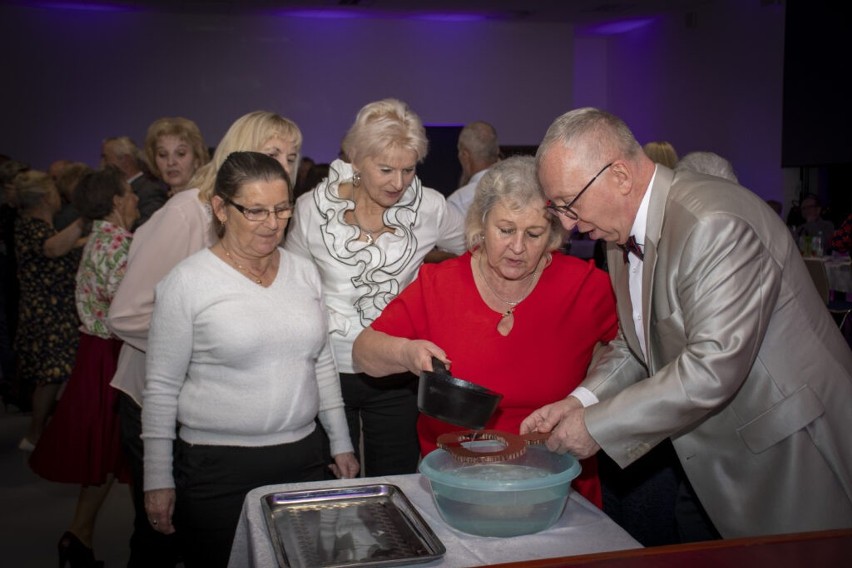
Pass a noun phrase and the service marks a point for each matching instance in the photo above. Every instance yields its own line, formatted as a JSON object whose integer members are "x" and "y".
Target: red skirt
{"x": 81, "y": 444}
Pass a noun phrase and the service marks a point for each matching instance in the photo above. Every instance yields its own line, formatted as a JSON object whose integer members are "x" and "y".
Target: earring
{"x": 356, "y": 179}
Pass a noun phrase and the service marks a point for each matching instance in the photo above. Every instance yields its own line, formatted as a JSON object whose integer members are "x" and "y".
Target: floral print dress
{"x": 101, "y": 270}
{"x": 46, "y": 340}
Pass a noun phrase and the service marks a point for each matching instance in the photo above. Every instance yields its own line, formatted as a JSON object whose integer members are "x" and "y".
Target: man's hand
{"x": 565, "y": 422}
{"x": 571, "y": 436}
{"x": 547, "y": 417}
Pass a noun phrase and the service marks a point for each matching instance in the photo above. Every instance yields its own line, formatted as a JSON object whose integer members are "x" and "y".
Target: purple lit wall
{"x": 710, "y": 82}
{"x": 80, "y": 76}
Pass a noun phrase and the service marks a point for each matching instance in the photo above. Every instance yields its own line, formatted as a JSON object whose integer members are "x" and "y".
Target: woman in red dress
{"x": 512, "y": 314}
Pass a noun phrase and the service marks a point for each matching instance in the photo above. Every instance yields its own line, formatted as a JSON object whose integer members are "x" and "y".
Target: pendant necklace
{"x": 257, "y": 278}
{"x": 511, "y": 303}
{"x": 368, "y": 234}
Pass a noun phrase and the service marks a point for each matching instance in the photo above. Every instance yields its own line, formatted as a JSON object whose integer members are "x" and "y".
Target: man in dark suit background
{"x": 122, "y": 153}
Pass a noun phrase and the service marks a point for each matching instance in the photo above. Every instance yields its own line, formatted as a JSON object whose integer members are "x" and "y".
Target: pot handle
{"x": 439, "y": 367}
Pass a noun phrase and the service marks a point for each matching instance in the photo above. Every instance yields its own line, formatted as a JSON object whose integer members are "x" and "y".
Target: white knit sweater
{"x": 237, "y": 364}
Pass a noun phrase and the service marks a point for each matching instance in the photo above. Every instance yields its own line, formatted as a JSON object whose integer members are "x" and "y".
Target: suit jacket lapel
{"x": 653, "y": 230}
{"x": 619, "y": 275}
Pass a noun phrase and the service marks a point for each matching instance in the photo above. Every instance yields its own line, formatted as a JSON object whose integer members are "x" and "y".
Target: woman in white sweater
{"x": 180, "y": 228}
{"x": 238, "y": 355}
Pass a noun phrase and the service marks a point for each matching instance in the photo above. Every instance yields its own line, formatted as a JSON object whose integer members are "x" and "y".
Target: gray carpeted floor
{"x": 34, "y": 513}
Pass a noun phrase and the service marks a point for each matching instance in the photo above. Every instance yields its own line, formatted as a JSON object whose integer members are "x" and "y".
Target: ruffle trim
{"x": 379, "y": 263}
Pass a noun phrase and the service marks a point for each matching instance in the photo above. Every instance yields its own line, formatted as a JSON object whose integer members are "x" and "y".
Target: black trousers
{"x": 148, "y": 548}
{"x": 212, "y": 482}
{"x": 653, "y": 500}
{"x": 386, "y": 409}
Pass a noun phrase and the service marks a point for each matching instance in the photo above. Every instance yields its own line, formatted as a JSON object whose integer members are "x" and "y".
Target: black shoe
{"x": 74, "y": 554}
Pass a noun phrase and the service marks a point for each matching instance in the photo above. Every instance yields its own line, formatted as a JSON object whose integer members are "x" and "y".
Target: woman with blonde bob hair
{"x": 174, "y": 150}
{"x": 368, "y": 227}
{"x": 385, "y": 124}
{"x": 534, "y": 314}
{"x": 182, "y": 227}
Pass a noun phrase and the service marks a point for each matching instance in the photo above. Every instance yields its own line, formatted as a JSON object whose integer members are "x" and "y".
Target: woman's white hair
{"x": 707, "y": 163}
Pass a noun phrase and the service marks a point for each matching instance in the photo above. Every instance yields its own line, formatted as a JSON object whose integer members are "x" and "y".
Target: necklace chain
{"x": 258, "y": 278}
{"x": 367, "y": 233}
{"x": 510, "y": 303}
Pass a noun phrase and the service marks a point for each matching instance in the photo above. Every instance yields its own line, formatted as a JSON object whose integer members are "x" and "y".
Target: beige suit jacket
{"x": 747, "y": 372}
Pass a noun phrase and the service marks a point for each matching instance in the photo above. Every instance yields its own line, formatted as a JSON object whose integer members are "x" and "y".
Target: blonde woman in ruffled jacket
{"x": 368, "y": 227}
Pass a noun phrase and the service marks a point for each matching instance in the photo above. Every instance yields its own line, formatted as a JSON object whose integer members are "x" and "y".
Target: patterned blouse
{"x": 101, "y": 270}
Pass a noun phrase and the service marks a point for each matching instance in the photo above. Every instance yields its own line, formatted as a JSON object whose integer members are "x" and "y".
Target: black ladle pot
{"x": 445, "y": 397}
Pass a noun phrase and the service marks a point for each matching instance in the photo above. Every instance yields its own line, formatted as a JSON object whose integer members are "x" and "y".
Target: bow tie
{"x": 632, "y": 246}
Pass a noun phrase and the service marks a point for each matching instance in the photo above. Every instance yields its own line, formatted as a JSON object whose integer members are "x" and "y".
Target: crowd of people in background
{"x": 198, "y": 323}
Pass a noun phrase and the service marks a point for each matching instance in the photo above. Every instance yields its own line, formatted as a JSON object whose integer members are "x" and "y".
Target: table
{"x": 582, "y": 529}
{"x": 839, "y": 271}
{"x": 818, "y": 549}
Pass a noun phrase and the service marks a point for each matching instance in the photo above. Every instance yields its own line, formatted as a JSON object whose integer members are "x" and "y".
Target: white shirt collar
{"x": 641, "y": 220}
{"x": 474, "y": 179}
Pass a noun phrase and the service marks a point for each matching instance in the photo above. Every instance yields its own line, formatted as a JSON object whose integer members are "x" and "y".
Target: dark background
{"x": 817, "y": 101}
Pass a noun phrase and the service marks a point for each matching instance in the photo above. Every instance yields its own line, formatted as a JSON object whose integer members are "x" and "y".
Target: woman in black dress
{"x": 46, "y": 340}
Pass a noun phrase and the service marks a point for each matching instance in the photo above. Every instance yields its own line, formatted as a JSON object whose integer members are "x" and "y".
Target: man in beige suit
{"x": 725, "y": 346}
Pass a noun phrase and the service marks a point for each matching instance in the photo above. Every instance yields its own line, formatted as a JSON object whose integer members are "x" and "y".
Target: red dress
{"x": 81, "y": 444}
{"x": 543, "y": 358}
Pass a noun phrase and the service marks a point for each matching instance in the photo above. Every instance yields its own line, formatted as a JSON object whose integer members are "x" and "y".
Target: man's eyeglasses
{"x": 566, "y": 209}
{"x": 260, "y": 214}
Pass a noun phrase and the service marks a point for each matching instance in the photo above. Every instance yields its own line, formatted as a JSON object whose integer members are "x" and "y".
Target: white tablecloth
{"x": 839, "y": 272}
{"x": 582, "y": 529}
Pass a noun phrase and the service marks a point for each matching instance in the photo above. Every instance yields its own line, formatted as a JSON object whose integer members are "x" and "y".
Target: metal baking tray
{"x": 365, "y": 525}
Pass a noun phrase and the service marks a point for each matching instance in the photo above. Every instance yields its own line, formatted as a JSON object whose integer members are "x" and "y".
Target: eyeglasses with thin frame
{"x": 566, "y": 210}
{"x": 258, "y": 214}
